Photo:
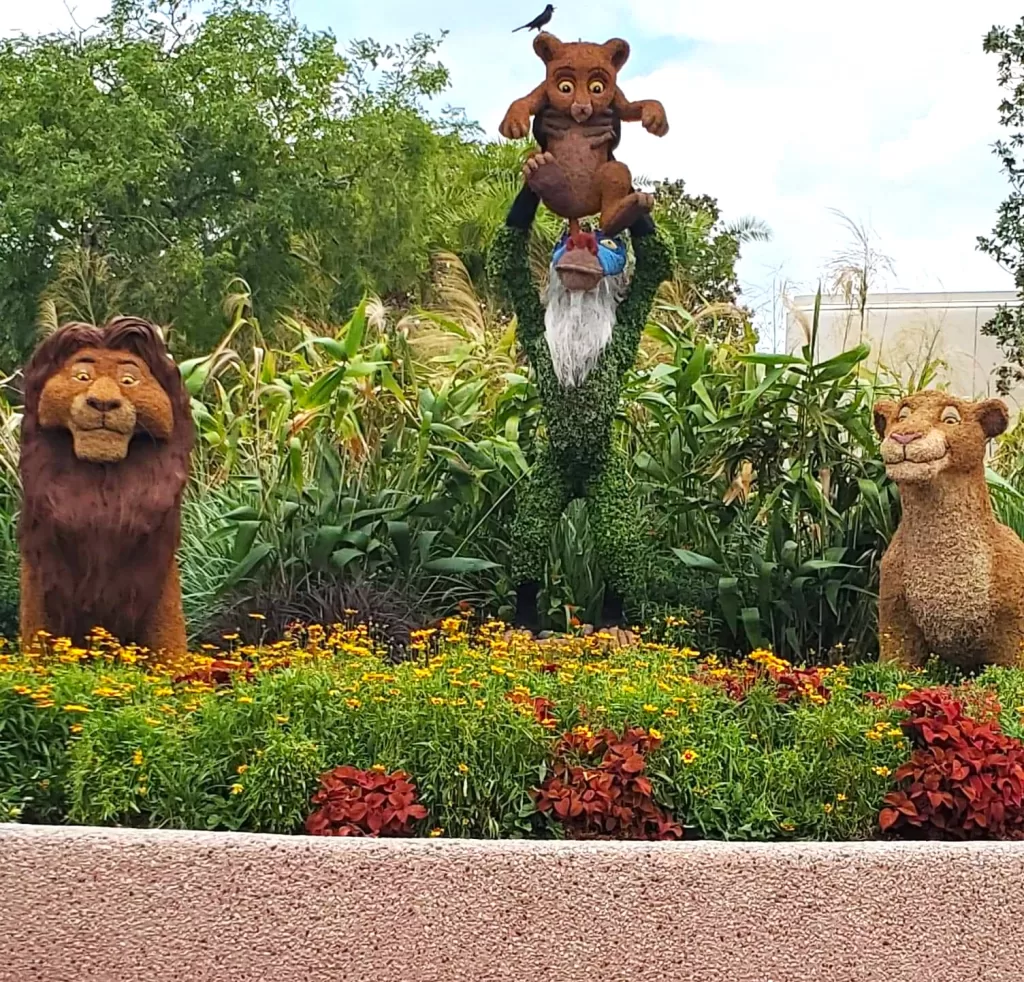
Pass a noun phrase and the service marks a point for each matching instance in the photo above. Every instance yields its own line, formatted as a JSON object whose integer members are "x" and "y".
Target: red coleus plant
{"x": 796, "y": 682}
{"x": 541, "y": 706}
{"x": 597, "y": 788}
{"x": 365, "y": 803}
{"x": 965, "y": 779}
{"x": 218, "y": 672}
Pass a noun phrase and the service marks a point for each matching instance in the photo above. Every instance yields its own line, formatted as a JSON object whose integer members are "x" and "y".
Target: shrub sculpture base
{"x": 118, "y": 905}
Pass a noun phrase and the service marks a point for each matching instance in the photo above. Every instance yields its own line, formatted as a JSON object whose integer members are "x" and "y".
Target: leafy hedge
{"x": 492, "y": 734}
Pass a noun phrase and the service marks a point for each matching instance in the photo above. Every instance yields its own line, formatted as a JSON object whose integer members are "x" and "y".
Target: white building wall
{"x": 906, "y": 331}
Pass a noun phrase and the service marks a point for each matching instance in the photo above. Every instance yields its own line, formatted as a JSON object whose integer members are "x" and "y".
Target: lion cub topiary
{"x": 952, "y": 579}
{"x": 578, "y": 109}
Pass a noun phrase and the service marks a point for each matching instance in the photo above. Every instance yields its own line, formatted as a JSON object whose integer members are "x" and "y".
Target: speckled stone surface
{"x": 122, "y": 905}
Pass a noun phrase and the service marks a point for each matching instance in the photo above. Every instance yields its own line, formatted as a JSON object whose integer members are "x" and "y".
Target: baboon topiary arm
{"x": 654, "y": 260}
{"x": 510, "y": 262}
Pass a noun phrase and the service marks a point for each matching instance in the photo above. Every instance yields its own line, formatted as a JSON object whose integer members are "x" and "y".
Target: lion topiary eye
{"x": 82, "y": 377}
{"x": 597, "y": 87}
{"x": 950, "y": 415}
{"x": 565, "y": 87}
{"x": 128, "y": 380}
{"x": 904, "y": 413}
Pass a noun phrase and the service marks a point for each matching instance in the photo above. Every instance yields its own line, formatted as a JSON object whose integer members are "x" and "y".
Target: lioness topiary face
{"x": 103, "y": 397}
{"x": 931, "y": 432}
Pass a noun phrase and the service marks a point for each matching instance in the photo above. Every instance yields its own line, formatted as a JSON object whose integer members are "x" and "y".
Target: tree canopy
{"x": 1006, "y": 243}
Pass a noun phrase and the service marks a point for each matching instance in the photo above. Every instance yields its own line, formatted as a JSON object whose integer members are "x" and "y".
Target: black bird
{"x": 540, "y": 20}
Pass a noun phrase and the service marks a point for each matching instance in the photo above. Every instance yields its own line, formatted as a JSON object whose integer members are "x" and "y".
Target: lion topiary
{"x": 952, "y": 579}
{"x": 105, "y": 444}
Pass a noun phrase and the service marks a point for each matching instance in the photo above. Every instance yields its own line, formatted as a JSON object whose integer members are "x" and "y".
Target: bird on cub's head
{"x": 539, "y": 21}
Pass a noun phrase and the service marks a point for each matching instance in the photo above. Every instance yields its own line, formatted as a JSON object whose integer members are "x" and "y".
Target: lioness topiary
{"x": 952, "y": 579}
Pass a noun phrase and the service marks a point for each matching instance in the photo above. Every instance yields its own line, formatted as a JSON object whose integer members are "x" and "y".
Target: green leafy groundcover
{"x": 491, "y": 728}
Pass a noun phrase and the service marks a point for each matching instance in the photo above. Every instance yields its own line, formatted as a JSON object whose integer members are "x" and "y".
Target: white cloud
{"x": 884, "y": 111}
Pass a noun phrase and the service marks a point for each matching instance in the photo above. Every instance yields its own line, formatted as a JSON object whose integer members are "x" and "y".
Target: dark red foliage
{"x": 965, "y": 779}
{"x": 734, "y": 682}
{"x": 796, "y": 682}
{"x": 218, "y": 672}
{"x": 365, "y": 803}
{"x": 790, "y": 683}
{"x": 541, "y": 707}
{"x": 597, "y": 788}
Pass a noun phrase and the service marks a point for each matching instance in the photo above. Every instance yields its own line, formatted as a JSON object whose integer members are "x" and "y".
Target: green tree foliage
{"x": 1006, "y": 243}
{"x": 180, "y": 154}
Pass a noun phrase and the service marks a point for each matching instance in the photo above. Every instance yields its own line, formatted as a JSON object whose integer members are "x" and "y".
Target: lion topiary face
{"x": 929, "y": 433}
{"x": 103, "y": 398}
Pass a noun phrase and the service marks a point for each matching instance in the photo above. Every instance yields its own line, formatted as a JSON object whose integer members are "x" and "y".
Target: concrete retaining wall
{"x": 78, "y": 905}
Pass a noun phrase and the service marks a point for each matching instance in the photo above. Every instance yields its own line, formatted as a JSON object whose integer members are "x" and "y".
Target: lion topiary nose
{"x": 905, "y": 438}
{"x": 103, "y": 405}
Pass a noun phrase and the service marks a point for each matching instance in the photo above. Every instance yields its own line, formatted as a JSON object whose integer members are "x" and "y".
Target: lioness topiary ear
{"x": 993, "y": 416}
{"x": 546, "y": 46}
{"x": 883, "y": 413}
{"x": 618, "y": 51}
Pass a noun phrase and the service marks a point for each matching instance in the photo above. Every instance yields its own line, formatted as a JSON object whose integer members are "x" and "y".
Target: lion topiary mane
{"x": 98, "y": 540}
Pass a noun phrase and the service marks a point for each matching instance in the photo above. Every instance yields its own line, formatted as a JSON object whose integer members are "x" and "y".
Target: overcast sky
{"x": 884, "y": 109}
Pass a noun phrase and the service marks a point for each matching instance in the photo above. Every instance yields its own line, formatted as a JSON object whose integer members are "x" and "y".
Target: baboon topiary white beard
{"x": 578, "y": 325}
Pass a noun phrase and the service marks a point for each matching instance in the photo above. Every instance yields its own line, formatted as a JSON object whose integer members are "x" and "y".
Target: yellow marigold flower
{"x": 840, "y": 797}
{"x": 827, "y": 808}
{"x": 245, "y": 699}
{"x": 281, "y": 719}
{"x": 904, "y": 687}
{"x": 164, "y": 691}
{"x": 353, "y": 703}
{"x": 74, "y": 707}
{"x": 475, "y": 684}
{"x": 242, "y": 768}
{"x": 137, "y": 758}
{"x": 896, "y": 734}
{"x": 479, "y": 703}
{"x": 648, "y": 708}
{"x": 436, "y": 833}
{"x": 882, "y": 771}
{"x": 436, "y": 701}
{"x": 463, "y": 769}
{"x": 258, "y": 617}
{"x": 670, "y": 712}
{"x": 657, "y": 734}
{"x": 77, "y": 728}
{"x": 379, "y": 768}
{"x": 422, "y": 673}
{"x": 21, "y": 690}
{"x": 787, "y": 826}
{"x": 689, "y": 756}
{"x": 48, "y": 704}
{"x": 237, "y": 788}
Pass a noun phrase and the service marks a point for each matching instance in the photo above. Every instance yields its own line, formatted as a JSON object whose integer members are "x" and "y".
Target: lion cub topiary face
{"x": 931, "y": 432}
{"x": 103, "y": 397}
{"x": 581, "y": 77}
